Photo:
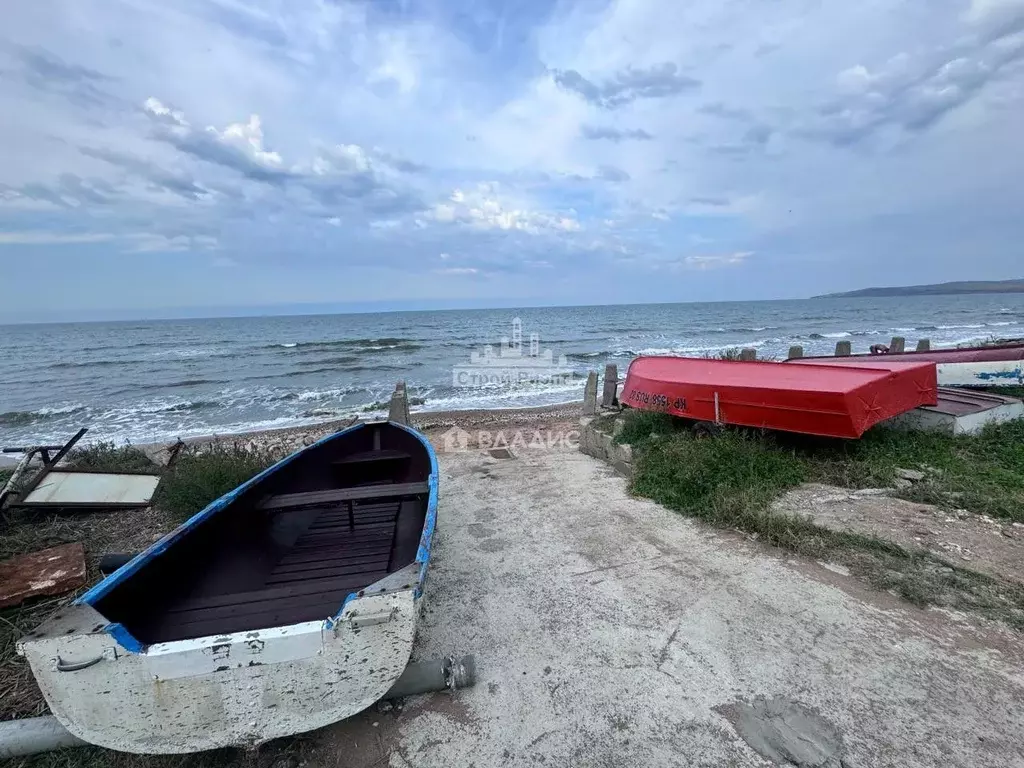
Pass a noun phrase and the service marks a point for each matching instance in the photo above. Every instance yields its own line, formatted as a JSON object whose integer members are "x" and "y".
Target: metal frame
{"x": 11, "y": 499}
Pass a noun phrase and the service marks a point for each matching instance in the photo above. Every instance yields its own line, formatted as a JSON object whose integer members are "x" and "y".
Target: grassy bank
{"x": 731, "y": 479}
{"x": 200, "y": 475}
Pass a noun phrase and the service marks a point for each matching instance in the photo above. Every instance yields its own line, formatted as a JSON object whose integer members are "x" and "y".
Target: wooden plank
{"x": 285, "y": 500}
{"x": 312, "y": 587}
{"x": 320, "y": 564}
{"x": 377, "y": 565}
{"x": 384, "y": 455}
{"x": 52, "y": 571}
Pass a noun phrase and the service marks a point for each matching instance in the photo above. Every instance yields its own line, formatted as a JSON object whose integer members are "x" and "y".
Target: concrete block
{"x": 611, "y": 386}
{"x": 898, "y": 344}
{"x": 590, "y": 395}
{"x": 843, "y": 349}
{"x": 924, "y": 345}
{"x": 748, "y": 354}
{"x": 795, "y": 352}
{"x": 398, "y": 412}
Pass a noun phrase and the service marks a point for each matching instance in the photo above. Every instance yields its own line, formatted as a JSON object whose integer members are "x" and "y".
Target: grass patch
{"x": 207, "y": 473}
{"x": 109, "y": 457}
{"x": 639, "y": 426}
{"x": 730, "y": 481}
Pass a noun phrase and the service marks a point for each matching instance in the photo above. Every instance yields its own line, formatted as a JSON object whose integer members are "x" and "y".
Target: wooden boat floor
{"x": 320, "y": 555}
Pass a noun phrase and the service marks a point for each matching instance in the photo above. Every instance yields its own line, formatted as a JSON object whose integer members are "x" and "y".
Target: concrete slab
{"x": 611, "y": 632}
{"x": 961, "y": 412}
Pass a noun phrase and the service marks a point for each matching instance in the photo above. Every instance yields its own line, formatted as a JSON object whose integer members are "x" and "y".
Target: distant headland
{"x": 937, "y": 289}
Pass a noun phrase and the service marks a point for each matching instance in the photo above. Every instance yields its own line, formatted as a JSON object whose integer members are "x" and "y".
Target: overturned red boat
{"x": 827, "y": 400}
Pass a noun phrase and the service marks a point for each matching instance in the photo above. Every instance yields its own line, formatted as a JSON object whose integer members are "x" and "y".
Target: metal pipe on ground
{"x": 434, "y": 675}
{"x": 19, "y": 738}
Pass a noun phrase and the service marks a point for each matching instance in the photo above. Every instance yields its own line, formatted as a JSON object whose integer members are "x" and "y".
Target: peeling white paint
{"x": 238, "y": 689}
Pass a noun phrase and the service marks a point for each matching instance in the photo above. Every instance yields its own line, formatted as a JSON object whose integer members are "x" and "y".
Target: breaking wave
{"x": 24, "y": 418}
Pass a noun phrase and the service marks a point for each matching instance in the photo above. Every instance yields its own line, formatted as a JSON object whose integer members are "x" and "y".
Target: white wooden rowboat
{"x": 287, "y": 604}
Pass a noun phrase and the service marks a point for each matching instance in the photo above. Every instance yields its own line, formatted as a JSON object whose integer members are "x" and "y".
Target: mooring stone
{"x": 924, "y": 345}
{"x": 898, "y": 344}
{"x": 399, "y": 410}
{"x": 843, "y": 349}
{"x": 748, "y": 354}
{"x": 795, "y": 352}
{"x": 611, "y": 386}
{"x": 590, "y": 395}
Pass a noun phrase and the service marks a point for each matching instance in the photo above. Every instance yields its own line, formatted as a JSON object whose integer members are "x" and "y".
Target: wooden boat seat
{"x": 360, "y": 493}
{"x": 365, "y": 456}
{"x": 310, "y": 581}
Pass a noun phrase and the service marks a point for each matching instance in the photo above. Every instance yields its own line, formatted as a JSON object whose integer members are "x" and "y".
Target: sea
{"x": 148, "y": 381}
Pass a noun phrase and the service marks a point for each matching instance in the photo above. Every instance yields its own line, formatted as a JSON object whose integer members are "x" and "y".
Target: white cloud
{"x": 54, "y": 238}
{"x": 148, "y": 242}
{"x": 487, "y": 208}
{"x": 458, "y": 271}
{"x": 716, "y": 262}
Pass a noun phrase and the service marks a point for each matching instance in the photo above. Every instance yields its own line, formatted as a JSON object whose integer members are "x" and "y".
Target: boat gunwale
{"x": 131, "y": 644}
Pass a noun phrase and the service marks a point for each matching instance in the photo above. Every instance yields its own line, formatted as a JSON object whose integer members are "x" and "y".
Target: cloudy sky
{"x": 203, "y": 153}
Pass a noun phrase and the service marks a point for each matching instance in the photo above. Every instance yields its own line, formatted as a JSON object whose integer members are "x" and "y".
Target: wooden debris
{"x": 52, "y": 571}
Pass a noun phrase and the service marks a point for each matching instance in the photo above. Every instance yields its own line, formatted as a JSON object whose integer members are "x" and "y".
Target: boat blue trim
{"x": 124, "y": 638}
{"x": 132, "y": 645}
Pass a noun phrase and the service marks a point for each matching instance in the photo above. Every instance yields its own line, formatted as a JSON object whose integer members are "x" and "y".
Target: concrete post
{"x": 843, "y": 349}
{"x": 924, "y": 345}
{"x": 611, "y": 386}
{"x": 795, "y": 352}
{"x": 898, "y": 344}
{"x": 590, "y": 395}
{"x": 399, "y": 410}
{"x": 748, "y": 354}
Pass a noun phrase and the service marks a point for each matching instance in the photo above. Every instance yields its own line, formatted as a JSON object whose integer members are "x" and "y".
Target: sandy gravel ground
{"x": 609, "y": 631}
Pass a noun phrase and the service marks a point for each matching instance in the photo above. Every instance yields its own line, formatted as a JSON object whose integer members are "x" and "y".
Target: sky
{"x": 394, "y": 153}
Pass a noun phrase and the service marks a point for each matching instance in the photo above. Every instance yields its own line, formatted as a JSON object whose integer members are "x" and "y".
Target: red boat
{"x": 827, "y": 400}
{"x": 989, "y": 366}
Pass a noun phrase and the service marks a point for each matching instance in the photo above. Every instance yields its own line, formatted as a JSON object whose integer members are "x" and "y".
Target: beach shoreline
{"x": 432, "y": 423}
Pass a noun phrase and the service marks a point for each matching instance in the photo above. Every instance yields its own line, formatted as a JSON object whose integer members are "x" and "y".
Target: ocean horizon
{"x": 158, "y": 379}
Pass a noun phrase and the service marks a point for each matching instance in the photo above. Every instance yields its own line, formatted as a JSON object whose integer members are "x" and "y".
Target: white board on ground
{"x": 93, "y": 488}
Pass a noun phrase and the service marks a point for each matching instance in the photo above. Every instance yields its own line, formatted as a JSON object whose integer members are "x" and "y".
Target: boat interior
{"x": 333, "y": 521}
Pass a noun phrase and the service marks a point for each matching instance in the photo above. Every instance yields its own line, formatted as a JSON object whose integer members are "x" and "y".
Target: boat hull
{"x": 825, "y": 400}
{"x": 990, "y": 366}
{"x": 235, "y": 688}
